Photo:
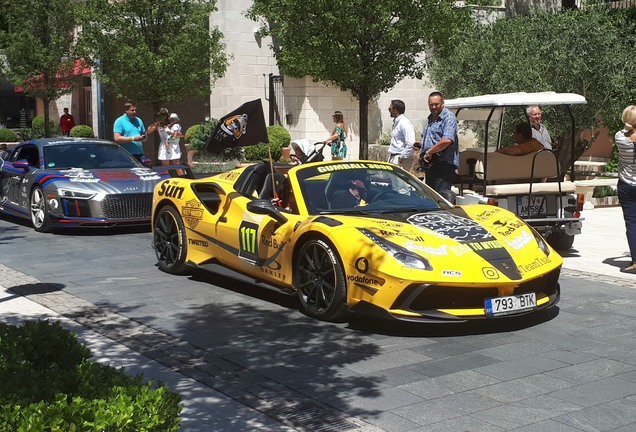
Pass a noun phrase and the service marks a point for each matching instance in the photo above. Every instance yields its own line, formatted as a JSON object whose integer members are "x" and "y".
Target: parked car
{"x": 63, "y": 182}
{"x": 531, "y": 186}
{"x": 397, "y": 250}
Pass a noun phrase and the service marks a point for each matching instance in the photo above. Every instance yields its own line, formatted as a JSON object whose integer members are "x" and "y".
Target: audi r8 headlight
{"x": 70, "y": 193}
{"x": 402, "y": 255}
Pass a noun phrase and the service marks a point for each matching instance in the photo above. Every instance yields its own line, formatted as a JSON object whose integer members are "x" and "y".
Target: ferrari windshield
{"x": 363, "y": 188}
{"x": 88, "y": 155}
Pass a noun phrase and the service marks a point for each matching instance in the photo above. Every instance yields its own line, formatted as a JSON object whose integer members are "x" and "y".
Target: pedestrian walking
{"x": 625, "y": 141}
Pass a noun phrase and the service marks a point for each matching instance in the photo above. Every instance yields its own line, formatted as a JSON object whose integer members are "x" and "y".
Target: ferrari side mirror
{"x": 265, "y": 207}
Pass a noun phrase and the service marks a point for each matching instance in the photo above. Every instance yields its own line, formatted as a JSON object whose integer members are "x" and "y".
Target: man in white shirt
{"x": 402, "y": 137}
{"x": 539, "y": 132}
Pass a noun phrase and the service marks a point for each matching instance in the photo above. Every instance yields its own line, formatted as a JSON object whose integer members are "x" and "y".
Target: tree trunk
{"x": 47, "y": 116}
{"x": 363, "y": 104}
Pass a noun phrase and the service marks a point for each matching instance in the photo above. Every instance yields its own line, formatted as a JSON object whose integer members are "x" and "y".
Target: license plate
{"x": 535, "y": 207}
{"x": 510, "y": 304}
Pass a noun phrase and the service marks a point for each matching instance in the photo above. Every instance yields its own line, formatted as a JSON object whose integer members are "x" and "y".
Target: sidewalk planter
{"x": 190, "y": 154}
{"x": 606, "y": 201}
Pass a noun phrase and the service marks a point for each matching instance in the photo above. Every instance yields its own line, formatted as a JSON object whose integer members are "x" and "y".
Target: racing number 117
{"x": 248, "y": 239}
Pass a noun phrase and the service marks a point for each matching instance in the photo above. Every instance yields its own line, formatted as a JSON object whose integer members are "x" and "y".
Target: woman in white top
{"x": 173, "y": 130}
{"x": 169, "y": 149}
{"x": 625, "y": 141}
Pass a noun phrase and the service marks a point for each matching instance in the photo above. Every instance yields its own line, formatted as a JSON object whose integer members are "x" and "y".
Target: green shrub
{"x": 199, "y": 135}
{"x": 604, "y": 191}
{"x": 82, "y": 131}
{"x": 8, "y": 135}
{"x": 37, "y": 128}
{"x": 277, "y": 134}
{"x": 278, "y": 138}
{"x": 190, "y": 133}
{"x": 260, "y": 152}
{"x": 612, "y": 164}
{"x": 47, "y": 384}
{"x": 25, "y": 134}
{"x": 385, "y": 138}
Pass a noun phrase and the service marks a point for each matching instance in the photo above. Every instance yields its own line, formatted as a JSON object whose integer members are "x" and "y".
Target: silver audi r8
{"x": 60, "y": 182}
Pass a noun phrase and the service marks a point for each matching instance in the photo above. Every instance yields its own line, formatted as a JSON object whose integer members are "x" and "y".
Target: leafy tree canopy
{"x": 361, "y": 46}
{"x": 154, "y": 52}
{"x": 585, "y": 52}
{"x": 37, "y": 43}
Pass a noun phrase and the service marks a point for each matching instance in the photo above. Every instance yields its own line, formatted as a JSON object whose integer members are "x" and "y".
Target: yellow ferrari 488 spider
{"x": 360, "y": 236}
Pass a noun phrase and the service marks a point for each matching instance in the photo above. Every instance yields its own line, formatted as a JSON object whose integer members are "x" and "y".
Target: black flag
{"x": 245, "y": 126}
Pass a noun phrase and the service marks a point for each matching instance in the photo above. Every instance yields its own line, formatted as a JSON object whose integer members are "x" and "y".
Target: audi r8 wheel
{"x": 39, "y": 214}
{"x": 169, "y": 240}
{"x": 320, "y": 281}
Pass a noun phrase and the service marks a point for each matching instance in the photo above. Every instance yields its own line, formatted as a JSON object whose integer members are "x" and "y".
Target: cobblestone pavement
{"x": 268, "y": 367}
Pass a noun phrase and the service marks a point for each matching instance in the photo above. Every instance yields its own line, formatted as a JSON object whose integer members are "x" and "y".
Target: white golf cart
{"x": 531, "y": 185}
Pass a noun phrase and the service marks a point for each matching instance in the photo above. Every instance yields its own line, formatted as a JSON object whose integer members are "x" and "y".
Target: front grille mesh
{"x": 422, "y": 297}
{"x": 127, "y": 206}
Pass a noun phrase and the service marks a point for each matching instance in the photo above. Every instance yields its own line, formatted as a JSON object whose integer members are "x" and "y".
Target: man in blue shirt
{"x": 129, "y": 131}
{"x": 440, "y": 147}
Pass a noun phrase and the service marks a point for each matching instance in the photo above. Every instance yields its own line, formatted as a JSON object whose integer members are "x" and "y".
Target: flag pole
{"x": 271, "y": 165}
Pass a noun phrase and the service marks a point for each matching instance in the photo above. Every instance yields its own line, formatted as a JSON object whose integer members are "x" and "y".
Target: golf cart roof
{"x": 515, "y": 99}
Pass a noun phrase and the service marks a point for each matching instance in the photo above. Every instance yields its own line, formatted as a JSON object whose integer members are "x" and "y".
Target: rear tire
{"x": 560, "y": 240}
{"x": 169, "y": 239}
{"x": 320, "y": 281}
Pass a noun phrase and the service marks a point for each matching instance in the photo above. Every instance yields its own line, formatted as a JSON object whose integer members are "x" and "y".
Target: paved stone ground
{"x": 571, "y": 370}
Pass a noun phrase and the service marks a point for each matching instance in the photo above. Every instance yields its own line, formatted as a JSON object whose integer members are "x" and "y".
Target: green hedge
{"x": 8, "y": 135}
{"x": 37, "y": 128}
{"x": 278, "y": 138}
{"x": 47, "y": 384}
{"x": 82, "y": 131}
{"x": 198, "y": 136}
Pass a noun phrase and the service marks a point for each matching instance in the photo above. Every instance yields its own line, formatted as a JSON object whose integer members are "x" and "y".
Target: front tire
{"x": 39, "y": 214}
{"x": 320, "y": 282}
{"x": 170, "y": 242}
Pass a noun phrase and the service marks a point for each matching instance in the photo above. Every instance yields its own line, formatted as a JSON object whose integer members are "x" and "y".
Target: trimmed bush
{"x": 82, "y": 131}
{"x": 277, "y": 134}
{"x": 190, "y": 133}
{"x": 46, "y": 383}
{"x": 278, "y": 138}
{"x": 200, "y": 134}
{"x": 8, "y": 135}
{"x": 260, "y": 152}
{"x": 37, "y": 128}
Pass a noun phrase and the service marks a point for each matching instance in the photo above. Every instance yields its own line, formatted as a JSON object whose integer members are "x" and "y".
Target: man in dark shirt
{"x": 353, "y": 196}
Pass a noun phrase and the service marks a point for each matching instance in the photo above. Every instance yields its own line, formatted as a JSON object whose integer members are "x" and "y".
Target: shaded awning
{"x": 79, "y": 69}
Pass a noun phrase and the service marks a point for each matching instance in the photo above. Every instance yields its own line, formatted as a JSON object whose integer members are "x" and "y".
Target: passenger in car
{"x": 523, "y": 142}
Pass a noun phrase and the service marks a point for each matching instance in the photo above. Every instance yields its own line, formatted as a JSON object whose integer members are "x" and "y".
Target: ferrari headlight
{"x": 543, "y": 245}
{"x": 402, "y": 255}
{"x": 70, "y": 193}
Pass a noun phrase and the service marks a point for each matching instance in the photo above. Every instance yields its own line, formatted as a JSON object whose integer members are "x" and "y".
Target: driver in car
{"x": 354, "y": 196}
